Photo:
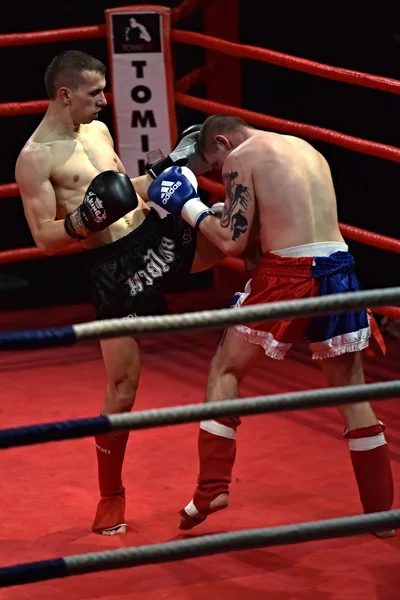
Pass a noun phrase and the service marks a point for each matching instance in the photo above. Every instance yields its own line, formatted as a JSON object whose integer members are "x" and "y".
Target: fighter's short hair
{"x": 219, "y": 124}
{"x": 66, "y": 70}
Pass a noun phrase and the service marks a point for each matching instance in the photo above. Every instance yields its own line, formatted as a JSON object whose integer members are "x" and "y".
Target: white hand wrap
{"x": 218, "y": 209}
{"x": 194, "y": 210}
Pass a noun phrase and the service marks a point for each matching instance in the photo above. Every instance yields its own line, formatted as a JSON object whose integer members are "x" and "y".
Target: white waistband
{"x": 316, "y": 249}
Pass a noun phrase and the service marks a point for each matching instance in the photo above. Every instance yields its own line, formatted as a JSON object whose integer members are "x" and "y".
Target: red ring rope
{"x": 292, "y": 127}
{"x": 32, "y": 107}
{"x": 285, "y": 60}
{"x": 211, "y": 43}
{"x": 388, "y": 311}
{"x": 33, "y": 253}
{"x": 371, "y": 239}
{"x": 184, "y": 9}
{"x": 83, "y": 33}
{"x": 52, "y": 35}
{"x": 9, "y": 190}
{"x": 196, "y": 77}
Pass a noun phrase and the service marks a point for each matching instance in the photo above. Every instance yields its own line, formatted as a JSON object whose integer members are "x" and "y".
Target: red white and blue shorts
{"x": 304, "y": 272}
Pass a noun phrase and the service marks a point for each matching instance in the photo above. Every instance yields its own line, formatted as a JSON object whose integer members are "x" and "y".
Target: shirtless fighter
{"x": 75, "y": 191}
{"x": 283, "y": 187}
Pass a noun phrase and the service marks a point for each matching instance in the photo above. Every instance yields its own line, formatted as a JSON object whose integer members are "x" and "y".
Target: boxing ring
{"x": 58, "y": 345}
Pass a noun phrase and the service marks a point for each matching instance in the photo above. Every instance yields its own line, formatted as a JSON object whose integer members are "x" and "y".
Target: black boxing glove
{"x": 186, "y": 153}
{"x": 109, "y": 197}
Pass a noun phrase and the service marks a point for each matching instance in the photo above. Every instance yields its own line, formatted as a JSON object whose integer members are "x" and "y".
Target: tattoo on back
{"x": 238, "y": 196}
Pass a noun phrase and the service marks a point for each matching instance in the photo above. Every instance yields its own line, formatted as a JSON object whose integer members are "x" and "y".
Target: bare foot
{"x": 110, "y": 509}
{"x": 117, "y": 530}
{"x": 190, "y": 516}
{"x": 385, "y": 534}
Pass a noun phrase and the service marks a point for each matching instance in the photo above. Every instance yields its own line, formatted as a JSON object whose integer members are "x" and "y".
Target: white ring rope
{"x": 176, "y": 415}
{"x": 308, "y": 307}
{"x": 218, "y": 543}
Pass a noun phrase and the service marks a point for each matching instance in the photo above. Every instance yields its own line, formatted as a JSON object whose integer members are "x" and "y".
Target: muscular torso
{"x": 75, "y": 161}
{"x": 292, "y": 184}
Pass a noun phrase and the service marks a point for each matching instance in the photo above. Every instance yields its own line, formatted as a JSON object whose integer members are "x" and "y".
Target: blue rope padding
{"x": 50, "y": 432}
{"x": 33, "y": 572}
{"x": 37, "y": 338}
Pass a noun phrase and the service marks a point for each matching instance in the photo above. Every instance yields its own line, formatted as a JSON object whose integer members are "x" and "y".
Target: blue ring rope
{"x": 54, "y": 432}
{"x": 37, "y": 338}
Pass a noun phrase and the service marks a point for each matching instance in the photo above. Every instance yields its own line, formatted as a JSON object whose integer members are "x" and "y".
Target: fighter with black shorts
{"x": 75, "y": 192}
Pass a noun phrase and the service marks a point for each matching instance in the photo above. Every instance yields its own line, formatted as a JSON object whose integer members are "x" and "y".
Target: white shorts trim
{"x": 340, "y": 344}
{"x": 271, "y": 346}
{"x": 315, "y": 249}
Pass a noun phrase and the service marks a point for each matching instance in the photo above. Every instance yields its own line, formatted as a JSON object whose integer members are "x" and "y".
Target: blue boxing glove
{"x": 175, "y": 190}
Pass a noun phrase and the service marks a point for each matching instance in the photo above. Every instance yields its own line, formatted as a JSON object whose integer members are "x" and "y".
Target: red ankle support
{"x": 110, "y": 448}
{"x": 110, "y": 512}
{"x": 371, "y": 463}
{"x": 217, "y": 452}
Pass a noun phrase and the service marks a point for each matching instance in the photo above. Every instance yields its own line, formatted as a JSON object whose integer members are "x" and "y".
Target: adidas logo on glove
{"x": 179, "y": 195}
{"x": 167, "y": 189}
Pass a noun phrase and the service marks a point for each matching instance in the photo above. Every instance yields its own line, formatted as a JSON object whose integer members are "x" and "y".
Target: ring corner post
{"x": 221, "y": 20}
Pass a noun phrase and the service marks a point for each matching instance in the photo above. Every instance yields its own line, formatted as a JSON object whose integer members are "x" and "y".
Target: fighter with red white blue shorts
{"x": 305, "y": 272}
{"x": 278, "y": 192}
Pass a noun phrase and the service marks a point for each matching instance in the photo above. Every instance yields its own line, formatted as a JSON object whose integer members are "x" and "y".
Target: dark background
{"x": 359, "y": 35}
